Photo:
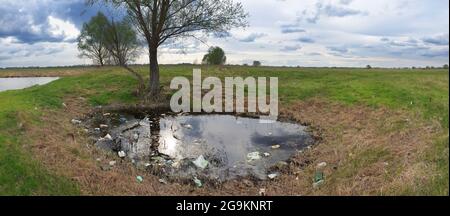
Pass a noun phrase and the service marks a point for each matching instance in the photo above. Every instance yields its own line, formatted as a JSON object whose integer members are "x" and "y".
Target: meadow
{"x": 396, "y": 107}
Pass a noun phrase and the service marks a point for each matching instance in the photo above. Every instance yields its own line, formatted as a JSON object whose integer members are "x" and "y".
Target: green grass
{"x": 425, "y": 92}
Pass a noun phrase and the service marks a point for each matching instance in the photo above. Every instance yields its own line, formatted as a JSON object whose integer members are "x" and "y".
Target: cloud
{"x": 336, "y": 11}
{"x": 35, "y": 21}
{"x": 338, "y": 49}
{"x": 288, "y": 29}
{"x": 395, "y": 33}
{"x": 252, "y": 37}
{"x": 291, "y": 48}
{"x": 440, "y": 40}
{"x": 436, "y": 53}
{"x": 345, "y": 2}
{"x": 329, "y": 10}
{"x": 306, "y": 40}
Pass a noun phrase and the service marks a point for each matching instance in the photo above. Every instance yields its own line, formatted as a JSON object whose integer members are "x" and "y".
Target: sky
{"x": 310, "y": 33}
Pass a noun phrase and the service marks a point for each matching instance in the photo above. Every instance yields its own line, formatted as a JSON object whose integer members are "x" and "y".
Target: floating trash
{"x": 122, "y": 154}
{"x": 253, "y": 156}
{"x": 213, "y": 147}
{"x": 276, "y": 146}
{"x": 200, "y": 162}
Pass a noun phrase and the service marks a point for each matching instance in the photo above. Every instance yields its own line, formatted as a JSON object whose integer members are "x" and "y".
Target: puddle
{"x": 210, "y": 147}
{"x": 23, "y": 82}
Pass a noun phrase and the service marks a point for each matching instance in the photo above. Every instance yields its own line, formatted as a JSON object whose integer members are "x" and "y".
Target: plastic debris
{"x": 97, "y": 130}
{"x": 266, "y": 154}
{"x": 112, "y": 163}
{"x": 176, "y": 164}
{"x": 318, "y": 184}
{"x": 108, "y": 137}
{"x": 319, "y": 176}
{"x": 253, "y": 156}
{"x": 262, "y": 192}
{"x": 276, "y": 147}
{"x": 104, "y": 126}
{"x": 272, "y": 176}
{"x": 123, "y": 120}
{"x": 140, "y": 179}
{"x": 321, "y": 165}
{"x": 198, "y": 182}
{"x": 76, "y": 121}
{"x": 122, "y": 154}
{"x": 188, "y": 126}
{"x": 162, "y": 181}
{"x": 200, "y": 162}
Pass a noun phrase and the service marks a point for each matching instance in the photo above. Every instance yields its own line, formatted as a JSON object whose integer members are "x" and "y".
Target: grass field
{"x": 423, "y": 94}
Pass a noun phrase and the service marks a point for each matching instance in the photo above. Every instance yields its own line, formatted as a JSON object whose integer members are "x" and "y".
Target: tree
{"x": 122, "y": 43}
{"x": 215, "y": 56}
{"x": 90, "y": 42}
{"x": 369, "y": 67}
{"x": 159, "y": 21}
{"x": 256, "y": 63}
{"x": 445, "y": 66}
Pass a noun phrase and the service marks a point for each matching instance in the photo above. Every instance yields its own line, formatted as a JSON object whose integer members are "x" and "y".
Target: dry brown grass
{"x": 369, "y": 151}
{"x": 48, "y": 72}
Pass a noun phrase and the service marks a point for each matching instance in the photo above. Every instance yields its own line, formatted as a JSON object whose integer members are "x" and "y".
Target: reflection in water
{"x": 23, "y": 82}
{"x": 223, "y": 140}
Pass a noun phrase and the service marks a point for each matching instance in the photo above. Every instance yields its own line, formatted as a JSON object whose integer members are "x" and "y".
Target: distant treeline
{"x": 231, "y": 65}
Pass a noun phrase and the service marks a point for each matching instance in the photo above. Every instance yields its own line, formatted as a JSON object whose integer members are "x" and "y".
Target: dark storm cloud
{"x": 28, "y": 21}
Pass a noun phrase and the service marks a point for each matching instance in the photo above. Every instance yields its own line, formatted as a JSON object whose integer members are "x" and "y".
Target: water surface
{"x": 23, "y": 82}
{"x": 225, "y": 141}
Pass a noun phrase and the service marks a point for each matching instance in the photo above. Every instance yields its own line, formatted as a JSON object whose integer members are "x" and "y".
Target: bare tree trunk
{"x": 154, "y": 74}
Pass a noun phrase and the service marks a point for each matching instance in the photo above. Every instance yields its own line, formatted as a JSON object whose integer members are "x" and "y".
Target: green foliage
{"x": 215, "y": 56}
{"x": 91, "y": 40}
{"x": 121, "y": 41}
{"x": 256, "y": 64}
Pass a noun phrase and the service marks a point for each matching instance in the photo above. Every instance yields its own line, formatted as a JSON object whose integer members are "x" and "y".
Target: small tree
{"x": 121, "y": 41}
{"x": 215, "y": 56}
{"x": 160, "y": 21}
{"x": 369, "y": 67}
{"x": 256, "y": 63}
{"x": 91, "y": 41}
{"x": 445, "y": 66}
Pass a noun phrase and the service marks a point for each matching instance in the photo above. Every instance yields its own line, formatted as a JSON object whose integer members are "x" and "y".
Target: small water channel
{"x": 23, "y": 82}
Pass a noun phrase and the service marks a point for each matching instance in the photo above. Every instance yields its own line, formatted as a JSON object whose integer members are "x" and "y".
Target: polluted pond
{"x": 198, "y": 149}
